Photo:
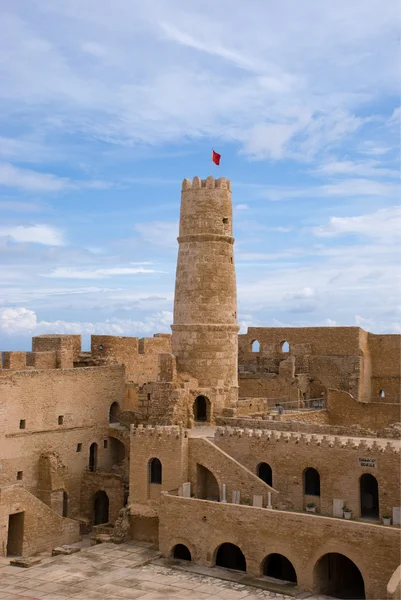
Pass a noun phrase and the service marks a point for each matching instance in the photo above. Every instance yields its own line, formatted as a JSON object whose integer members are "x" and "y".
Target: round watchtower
{"x": 205, "y": 330}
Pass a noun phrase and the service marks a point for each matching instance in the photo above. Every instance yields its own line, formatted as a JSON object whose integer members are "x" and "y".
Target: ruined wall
{"x": 339, "y": 462}
{"x": 43, "y": 528}
{"x": 139, "y": 356}
{"x": 343, "y": 410}
{"x": 82, "y": 397}
{"x": 303, "y": 538}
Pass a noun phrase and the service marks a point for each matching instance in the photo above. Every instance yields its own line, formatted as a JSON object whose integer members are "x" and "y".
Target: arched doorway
{"x": 117, "y": 451}
{"x": 336, "y": 575}
{"x": 207, "y": 485}
{"x": 100, "y": 508}
{"x": 230, "y": 556}
{"x": 114, "y": 412}
{"x": 311, "y": 482}
{"x": 279, "y": 567}
{"x": 65, "y": 504}
{"x": 201, "y": 409}
{"x": 155, "y": 470}
{"x": 369, "y": 496}
{"x": 93, "y": 457}
{"x": 264, "y": 472}
{"x": 180, "y": 551}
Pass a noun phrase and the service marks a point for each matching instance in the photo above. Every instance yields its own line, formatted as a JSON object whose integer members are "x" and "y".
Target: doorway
{"x": 93, "y": 457}
{"x": 202, "y": 409}
{"x": 15, "y": 537}
{"x": 369, "y": 495}
{"x": 101, "y": 508}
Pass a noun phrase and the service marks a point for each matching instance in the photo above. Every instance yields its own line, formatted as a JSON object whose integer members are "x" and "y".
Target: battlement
{"x": 166, "y": 431}
{"x": 209, "y": 183}
{"x": 323, "y": 441}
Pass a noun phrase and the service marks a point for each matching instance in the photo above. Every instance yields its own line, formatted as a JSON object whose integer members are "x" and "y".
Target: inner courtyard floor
{"x": 131, "y": 570}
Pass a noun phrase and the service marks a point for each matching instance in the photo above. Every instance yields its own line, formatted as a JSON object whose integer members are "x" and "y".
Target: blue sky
{"x": 107, "y": 106}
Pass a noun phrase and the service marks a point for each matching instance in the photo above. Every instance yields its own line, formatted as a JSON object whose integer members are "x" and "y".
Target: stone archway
{"x": 207, "y": 485}
{"x": 338, "y": 576}
{"x": 279, "y": 567}
{"x": 264, "y": 472}
{"x": 100, "y": 508}
{"x": 182, "y": 552}
{"x": 369, "y": 496}
{"x": 230, "y": 556}
{"x": 114, "y": 412}
{"x": 201, "y": 409}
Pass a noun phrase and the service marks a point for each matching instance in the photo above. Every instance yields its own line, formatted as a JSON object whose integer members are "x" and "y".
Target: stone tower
{"x": 205, "y": 330}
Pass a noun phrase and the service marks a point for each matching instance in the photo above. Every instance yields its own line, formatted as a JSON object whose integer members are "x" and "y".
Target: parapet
{"x": 323, "y": 441}
{"x": 210, "y": 182}
{"x": 166, "y": 431}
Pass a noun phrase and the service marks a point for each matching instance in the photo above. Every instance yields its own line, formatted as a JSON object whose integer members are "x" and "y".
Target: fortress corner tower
{"x": 205, "y": 330}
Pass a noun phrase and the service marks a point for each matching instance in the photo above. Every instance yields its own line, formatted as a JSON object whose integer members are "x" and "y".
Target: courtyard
{"x": 130, "y": 570}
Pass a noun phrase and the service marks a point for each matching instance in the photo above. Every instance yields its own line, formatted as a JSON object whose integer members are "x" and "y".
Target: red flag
{"x": 216, "y": 157}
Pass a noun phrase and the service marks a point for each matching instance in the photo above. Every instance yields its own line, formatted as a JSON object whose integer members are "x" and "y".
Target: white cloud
{"x": 367, "y": 168}
{"x": 383, "y": 224}
{"x": 352, "y": 187}
{"x": 159, "y": 233}
{"x": 38, "y": 234}
{"x": 71, "y": 273}
{"x": 28, "y": 180}
{"x": 22, "y": 321}
{"x": 241, "y": 207}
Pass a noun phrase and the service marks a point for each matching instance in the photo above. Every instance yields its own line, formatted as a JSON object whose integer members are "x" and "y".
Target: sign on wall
{"x": 368, "y": 462}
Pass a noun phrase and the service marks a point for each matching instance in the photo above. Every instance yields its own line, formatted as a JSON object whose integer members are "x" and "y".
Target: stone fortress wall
{"x": 85, "y": 434}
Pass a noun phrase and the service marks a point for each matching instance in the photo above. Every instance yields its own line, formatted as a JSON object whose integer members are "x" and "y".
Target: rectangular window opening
{"x": 105, "y": 444}
{"x": 20, "y": 475}
{"x": 60, "y": 420}
{"x": 79, "y": 447}
{"x": 22, "y": 424}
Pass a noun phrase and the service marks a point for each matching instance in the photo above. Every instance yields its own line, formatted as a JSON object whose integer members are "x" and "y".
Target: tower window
{"x": 285, "y": 347}
{"x": 101, "y": 347}
{"x": 255, "y": 346}
{"x": 104, "y": 443}
{"x": 60, "y": 420}
{"x": 382, "y": 393}
{"x": 22, "y": 424}
{"x": 20, "y": 475}
{"x": 225, "y": 220}
{"x": 79, "y": 447}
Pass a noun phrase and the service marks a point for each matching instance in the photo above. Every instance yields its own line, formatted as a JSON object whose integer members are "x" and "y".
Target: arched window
{"x": 93, "y": 457}
{"x": 264, "y": 471}
{"x": 230, "y": 557}
{"x": 114, "y": 412}
{"x": 369, "y": 496}
{"x": 65, "y": 504}
{"x": 180, "y": 551}
{"x": 382, "y": 393}
{"x": 155, "y": 471}
{"x": 285, "y": 347}
{"x": 311, "y": 482}
{"x": 255, "y": 346}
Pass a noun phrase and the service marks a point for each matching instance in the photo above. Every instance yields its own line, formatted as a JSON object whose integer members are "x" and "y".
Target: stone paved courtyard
{"x": 112, "y": 572}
